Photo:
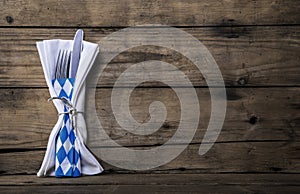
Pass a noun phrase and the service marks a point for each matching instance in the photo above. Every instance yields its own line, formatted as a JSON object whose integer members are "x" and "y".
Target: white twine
{"x": 71, "y": 110}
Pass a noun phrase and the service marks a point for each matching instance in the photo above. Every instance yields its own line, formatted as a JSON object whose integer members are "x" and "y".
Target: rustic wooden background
{"x": 256, "y": 44}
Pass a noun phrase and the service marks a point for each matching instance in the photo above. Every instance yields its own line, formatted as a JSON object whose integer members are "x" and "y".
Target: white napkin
{"x": 48, "y": 51}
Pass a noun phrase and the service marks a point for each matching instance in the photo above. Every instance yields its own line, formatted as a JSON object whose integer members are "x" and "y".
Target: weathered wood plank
{"x": 162, "y": 183}
{"x": 271, "y": 113}
{"x": 151, "y": 189}
{"x": 253, "y": 114}
{"x": 247, "y": 56}
{"x": 156, "y": 179}
{"x": 125, "y": 189}
{"x": 230, "y": 157}
{"x": 27, "y": 162}
{"x": 137, "y": 12}
{"x": 269, "y": 144}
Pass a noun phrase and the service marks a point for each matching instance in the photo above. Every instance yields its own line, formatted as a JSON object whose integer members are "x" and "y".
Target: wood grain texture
{"x": 253, "y": 114}
{"x": 228, "y": 157}
{"x": 152, "y": 189}
{"x": 256, "y": 44}
{"x": 246, "y": 56}
{"x": 136, "y": 12}
{"x": 269, "y": 143}
{"x": 152, "y": 179}
{"x": 149, "y": 183}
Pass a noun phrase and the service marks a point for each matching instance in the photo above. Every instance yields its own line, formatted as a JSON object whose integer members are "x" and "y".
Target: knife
{"x": 77, "y": 45}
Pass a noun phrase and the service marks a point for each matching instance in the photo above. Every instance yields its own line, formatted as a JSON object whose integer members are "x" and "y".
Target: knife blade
{"x": 77, "y": 45}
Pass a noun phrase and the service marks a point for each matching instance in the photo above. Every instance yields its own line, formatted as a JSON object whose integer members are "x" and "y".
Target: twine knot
{"x": 71, "y": 110}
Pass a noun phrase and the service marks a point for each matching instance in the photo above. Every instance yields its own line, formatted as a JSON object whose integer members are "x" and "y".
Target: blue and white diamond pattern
{"x": 67, "y": 161}
{"x": 64, "y": 87}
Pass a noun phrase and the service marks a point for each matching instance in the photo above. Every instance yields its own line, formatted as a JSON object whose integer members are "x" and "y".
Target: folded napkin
{"x": 70, "y": 93}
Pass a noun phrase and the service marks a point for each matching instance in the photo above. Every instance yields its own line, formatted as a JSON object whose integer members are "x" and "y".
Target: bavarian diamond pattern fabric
{"x": 67, "y": 161}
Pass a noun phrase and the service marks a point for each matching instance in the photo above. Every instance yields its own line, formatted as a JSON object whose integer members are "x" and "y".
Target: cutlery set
{"x": 67, "y": 154}
{"x": 67, "y": 61}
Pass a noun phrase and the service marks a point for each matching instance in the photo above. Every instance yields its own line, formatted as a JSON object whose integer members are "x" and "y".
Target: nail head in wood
{"x": 242, "y": 81}
{"x": 9, "y": 19}
{"x": 253, "y": 119}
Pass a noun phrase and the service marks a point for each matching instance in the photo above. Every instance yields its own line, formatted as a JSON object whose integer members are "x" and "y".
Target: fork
{"x": 63, "y": 64}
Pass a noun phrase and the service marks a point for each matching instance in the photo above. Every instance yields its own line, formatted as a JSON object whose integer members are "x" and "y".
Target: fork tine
{"x": 58, "y": 64}
{"x": 61, "y": 64}
{"x": 68, "y": 64}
